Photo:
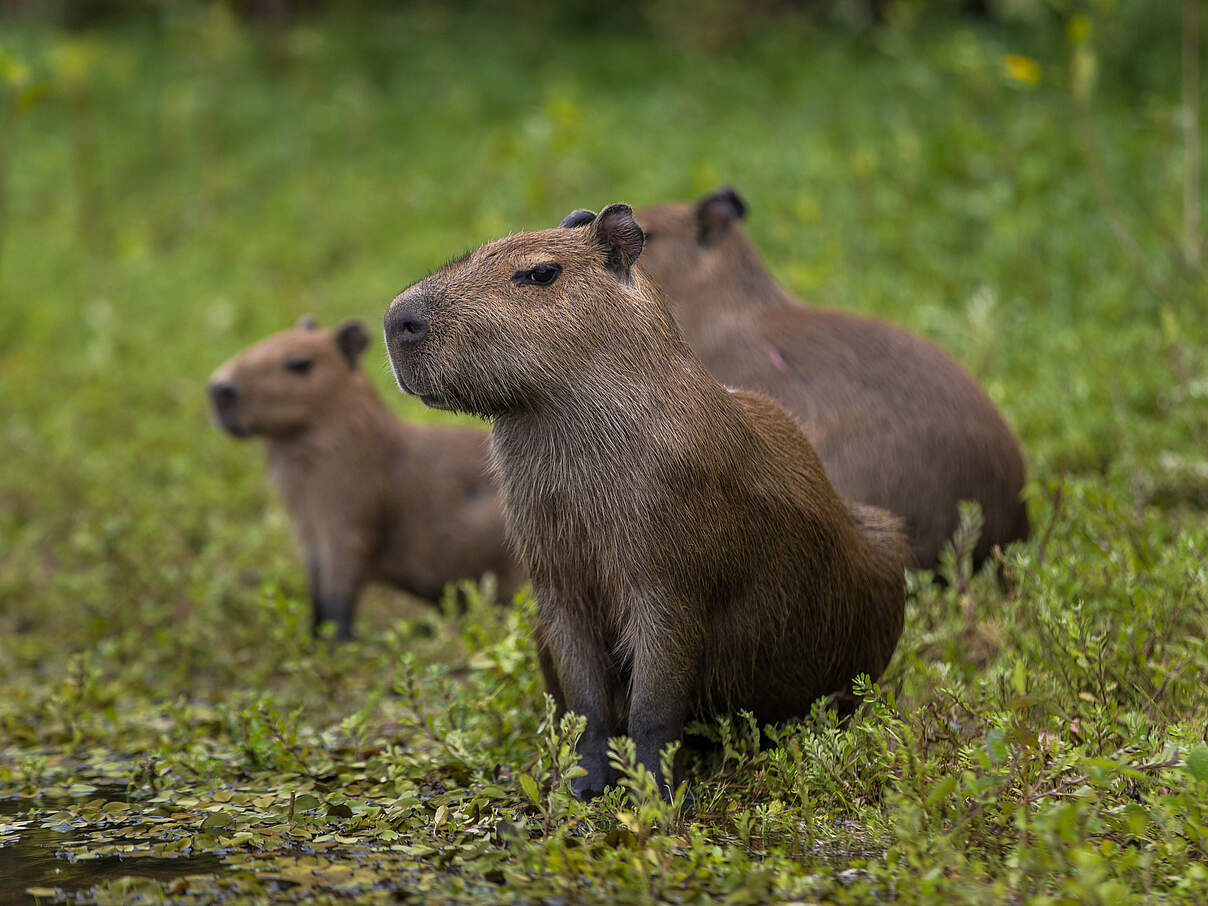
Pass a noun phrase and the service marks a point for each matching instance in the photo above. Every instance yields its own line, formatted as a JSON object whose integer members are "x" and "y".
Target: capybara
{"x": 688, "y": 555}
{"x": 370, "y": 497}
{"x": 897, "y": 423}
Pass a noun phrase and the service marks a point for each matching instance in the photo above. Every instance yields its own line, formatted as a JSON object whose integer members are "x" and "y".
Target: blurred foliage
{"x": 176, "y": 184}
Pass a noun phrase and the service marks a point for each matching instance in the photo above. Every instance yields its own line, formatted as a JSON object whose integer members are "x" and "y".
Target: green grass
{"x": 172, "y": 194}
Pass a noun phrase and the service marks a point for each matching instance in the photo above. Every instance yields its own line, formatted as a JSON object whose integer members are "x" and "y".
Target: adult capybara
{"x": 370, "y": 497}
{"x": 897, "y": 423}
{"x": 688, "y": 555}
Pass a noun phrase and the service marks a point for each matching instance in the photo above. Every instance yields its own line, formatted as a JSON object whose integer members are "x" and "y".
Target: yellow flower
{"x": 1021, "y": 69}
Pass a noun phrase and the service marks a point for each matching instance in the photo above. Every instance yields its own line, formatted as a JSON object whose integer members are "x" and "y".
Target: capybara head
{"x": 288, "y": 381}
{"x": 686, "y": 241}
{"x": 487, "y": 334}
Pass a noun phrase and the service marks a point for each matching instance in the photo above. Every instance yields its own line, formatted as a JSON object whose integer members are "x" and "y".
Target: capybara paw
{"x": 589, "y": 786}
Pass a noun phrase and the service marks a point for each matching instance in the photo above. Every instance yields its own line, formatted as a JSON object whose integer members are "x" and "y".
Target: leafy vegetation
{"x": 170, "y": 193}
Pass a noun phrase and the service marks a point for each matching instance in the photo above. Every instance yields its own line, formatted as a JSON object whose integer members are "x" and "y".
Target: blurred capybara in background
{"x": 897, "y": 423}
{"x": 688, "y": 555}
{"x": 370, "y": 497}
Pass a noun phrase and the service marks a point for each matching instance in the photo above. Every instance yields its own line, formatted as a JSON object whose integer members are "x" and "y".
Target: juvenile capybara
{"x": 688, "y": 555}
{"x": 897, "y": 423}
{"x": 371, "y": 498}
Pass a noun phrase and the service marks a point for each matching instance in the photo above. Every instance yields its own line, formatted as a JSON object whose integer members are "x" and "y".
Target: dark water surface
{"x": 41, "y": 857}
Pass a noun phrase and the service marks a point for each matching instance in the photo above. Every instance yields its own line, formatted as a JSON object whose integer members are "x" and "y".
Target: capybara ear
{"x": 307, "y": 322}
{"x": 716, "y": 212}
{"x": 352, "y": 339}
{"x": 581, "y": 217}
{"x": 621, "y": 238}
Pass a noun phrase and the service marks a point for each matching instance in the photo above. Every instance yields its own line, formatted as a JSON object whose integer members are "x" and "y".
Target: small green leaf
{"x": 305, "y": 801}
{"x": 996, "y": 749}
{"x": 1197, "y": 762}
{"x": 941, "y": 790}
{"x": 216, "y": 820}
{"x": 1137, "y": 818}
{"x": 1019, "y": 678}
{"x": 529, "y": 785}
{"x": 339, "y": 810}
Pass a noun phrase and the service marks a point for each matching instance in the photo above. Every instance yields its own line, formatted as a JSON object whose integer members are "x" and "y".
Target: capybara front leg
{"x": 577, "y": 675}
{"x": 340, "y": 575}
{"x": 658, "y": 708}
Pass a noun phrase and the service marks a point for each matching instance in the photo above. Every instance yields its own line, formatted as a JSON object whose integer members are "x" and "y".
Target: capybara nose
{"x": 406, "y": 327}
{"x": 223, "y": 394}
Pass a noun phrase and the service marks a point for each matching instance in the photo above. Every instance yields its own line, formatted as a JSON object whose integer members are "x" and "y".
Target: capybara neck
{"x": 354, "y": 418}
{"x": 745, "y": 274}
{"x": 636, "y": 426}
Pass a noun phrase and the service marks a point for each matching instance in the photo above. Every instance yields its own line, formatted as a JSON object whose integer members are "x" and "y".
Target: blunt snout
{"x": 405, "y": 323}
{"x": 224, "y": 401}
{"x": 223, "y": 395}
{"x": 406, "y": 326}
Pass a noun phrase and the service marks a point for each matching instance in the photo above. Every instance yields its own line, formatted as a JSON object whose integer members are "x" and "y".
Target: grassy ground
{"x": 171, "y": 195}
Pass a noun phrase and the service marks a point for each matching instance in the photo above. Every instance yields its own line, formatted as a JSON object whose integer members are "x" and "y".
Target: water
{"x": 40, "y": 859}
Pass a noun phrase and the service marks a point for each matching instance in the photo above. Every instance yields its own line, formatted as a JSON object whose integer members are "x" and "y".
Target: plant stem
{"x": 1191, "y": 132}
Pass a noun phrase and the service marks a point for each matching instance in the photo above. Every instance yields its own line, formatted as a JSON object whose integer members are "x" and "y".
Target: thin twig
{"x": 1062, "y": 789}
{"x": 1057, "y": 498}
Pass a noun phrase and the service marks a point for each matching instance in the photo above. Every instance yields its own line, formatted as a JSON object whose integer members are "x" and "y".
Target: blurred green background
{"x": 179, "y": 179}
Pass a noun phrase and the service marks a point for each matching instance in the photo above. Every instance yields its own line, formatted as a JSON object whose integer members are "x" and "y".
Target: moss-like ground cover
{"x": 173, "y": 192}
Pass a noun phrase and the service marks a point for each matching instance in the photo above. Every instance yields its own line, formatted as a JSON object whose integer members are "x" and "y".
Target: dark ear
{"x": 619, "y": 236}
{"x": 716, "y": 212}
{"x": 352, "y": 340}
{"x": 578, "y": 218}
{"x": 307, "y": 322}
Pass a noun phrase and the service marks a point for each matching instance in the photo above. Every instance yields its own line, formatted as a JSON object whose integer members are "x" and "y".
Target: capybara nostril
{"x": 407, "y": 327}
{"x": 223, "y": 394}
{"x": 413, "y": 330}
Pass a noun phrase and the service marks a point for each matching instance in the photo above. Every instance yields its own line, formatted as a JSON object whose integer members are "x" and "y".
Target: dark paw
{"x": 592, "y": 784}
{"x": 587, "y": 788}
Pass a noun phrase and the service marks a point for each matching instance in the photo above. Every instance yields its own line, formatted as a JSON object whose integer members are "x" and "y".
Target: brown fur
{"x": 688, "y": 555}
{"x": 370, "y": 497}
{"x": 897, "y": 423}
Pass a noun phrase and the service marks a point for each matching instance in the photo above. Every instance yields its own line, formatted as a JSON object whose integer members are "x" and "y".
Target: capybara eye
{"x": 541, "y": 275}
{"x": 298, "y": 366}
